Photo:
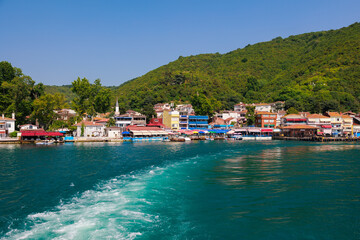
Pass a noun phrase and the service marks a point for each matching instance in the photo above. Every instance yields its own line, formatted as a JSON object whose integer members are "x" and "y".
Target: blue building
{"x": 198, "y": 122}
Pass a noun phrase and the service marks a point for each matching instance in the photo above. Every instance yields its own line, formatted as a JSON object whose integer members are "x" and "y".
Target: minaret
{"x": 117, "y": 107}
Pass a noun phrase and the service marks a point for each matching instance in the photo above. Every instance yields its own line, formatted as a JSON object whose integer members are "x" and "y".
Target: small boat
{"x": 187, "y": 139}
{"x": 44, "y": 142}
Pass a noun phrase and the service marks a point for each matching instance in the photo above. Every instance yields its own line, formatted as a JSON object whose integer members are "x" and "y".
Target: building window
{"x": 8, "y": 125}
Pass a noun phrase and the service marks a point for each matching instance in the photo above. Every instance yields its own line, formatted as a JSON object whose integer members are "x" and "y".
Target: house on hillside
{"x": 65, "y": 114}
{"x": 7, "y": 125}
{"x": 28, "y": 127}
{"x": 130, "y": 118}
{"x": 261, "y": 107}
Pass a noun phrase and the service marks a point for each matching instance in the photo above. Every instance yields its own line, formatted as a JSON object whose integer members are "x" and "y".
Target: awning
{"x": 296, "y": 119}
{"x": 137, "y": 133}
{"x": 326, "y": 126}
{"x": 277, "y": 130}
{"x": 240, "y": 130}
{"x": 266, "y": 130}
{"x": 254, "y": 130}
{"x": 40, "y": 134}
{"x": 2, "y": 131}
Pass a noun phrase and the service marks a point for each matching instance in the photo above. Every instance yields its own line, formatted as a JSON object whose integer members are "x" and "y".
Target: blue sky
{"x": 57, "y": 41}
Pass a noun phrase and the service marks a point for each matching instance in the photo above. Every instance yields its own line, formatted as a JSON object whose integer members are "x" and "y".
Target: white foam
{"x": 118, "y": 208}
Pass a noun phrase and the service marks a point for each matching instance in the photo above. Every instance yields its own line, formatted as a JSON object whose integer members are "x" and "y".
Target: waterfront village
{"x": 180, "y": 123}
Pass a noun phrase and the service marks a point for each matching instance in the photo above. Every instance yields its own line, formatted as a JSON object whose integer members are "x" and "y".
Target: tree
{"x": 44, "y": 108}
{"x": 82, "y": 129}
{"x": 250, "y": 115}
{"x": 202, "y": 105}
{"x": 111, "y": 122}
{"x": 19, "y": 98}
{"x": 292, "y": 110}
{"x": 91, "y": 98}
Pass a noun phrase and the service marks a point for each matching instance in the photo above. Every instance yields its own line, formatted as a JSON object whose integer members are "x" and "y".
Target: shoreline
{"x": 310, "y": 139}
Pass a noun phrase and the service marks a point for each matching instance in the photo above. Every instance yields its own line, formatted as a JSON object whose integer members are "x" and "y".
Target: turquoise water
{"x": 198, "y": 190}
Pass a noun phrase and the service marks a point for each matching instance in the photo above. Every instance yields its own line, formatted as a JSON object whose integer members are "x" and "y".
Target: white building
{"x": 261, "y": 107}
{"x": 113, "y": 132}
{"x": 7, "y": 125}
{"x": 130, "y": 118}
{"x": 28, "y": 127}
{"x": 91, "y": 129}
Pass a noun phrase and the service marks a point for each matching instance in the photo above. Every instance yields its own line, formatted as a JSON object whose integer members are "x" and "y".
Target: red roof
{"x": 88, "y": 123}
{"x": 8, "y": 119}
{"x": 132, "y": 127}
{"x": 296, "y": 119}
{"x": 39, "y": 133}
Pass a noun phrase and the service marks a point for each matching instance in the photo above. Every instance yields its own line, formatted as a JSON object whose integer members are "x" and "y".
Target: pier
{"x": 318, "y": 139}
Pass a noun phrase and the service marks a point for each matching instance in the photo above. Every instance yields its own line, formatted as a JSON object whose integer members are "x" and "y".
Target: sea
{"x": 172, "y": 190}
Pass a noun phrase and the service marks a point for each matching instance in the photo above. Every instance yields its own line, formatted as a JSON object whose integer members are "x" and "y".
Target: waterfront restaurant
{"x": 299, "y": 131}
{"x": 136, "y": 131}
{"x": 39, "y": 134}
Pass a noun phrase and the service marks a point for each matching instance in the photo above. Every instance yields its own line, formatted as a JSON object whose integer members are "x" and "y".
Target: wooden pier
{"x": 318, "y": 139}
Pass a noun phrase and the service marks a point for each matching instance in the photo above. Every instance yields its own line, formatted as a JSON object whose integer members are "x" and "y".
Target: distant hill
{"x": 313, "y": 72}
{"x": 64, "y": 89}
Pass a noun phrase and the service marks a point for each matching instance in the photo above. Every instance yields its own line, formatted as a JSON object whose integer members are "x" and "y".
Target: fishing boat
{"x": 44, "y": 142}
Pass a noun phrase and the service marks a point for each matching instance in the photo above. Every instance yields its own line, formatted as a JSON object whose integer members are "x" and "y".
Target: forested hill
{"x": 313, "y": 72}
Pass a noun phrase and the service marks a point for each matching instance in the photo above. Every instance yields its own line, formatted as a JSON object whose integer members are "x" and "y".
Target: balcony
{"x": 198, "y": 122}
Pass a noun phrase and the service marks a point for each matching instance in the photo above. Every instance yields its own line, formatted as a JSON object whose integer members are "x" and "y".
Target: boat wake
{"x": 121, "y": 208}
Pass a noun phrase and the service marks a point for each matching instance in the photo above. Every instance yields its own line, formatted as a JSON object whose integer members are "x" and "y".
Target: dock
{"x": 318, "y": 139}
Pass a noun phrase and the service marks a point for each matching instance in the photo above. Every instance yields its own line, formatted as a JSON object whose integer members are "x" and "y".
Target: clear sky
{"x": 57, "y": 41}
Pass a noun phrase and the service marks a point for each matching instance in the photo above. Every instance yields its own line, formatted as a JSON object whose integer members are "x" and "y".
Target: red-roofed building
{"x": 265, "y": 119}
{"x": 320, "y": 121}
{"x": 32, "y": 135}
{"x": 336, "y": 123}
{"x": 299, "y": 130}
{"x": 91, "y": 129}
{"x": 293, "y": 119}
{"x": 156, "y": 122}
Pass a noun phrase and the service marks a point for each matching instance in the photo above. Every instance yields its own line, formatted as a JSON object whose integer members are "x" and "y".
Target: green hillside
{"x": 64, "y": 89}
{"x": 313, "y": 72}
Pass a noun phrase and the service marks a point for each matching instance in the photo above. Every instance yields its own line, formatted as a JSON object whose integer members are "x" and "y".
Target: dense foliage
{"x": 313, "y": 72}
{"x": 90, "y": 98}
{"x": 18, "y": 92}
{"x": 44, "y": 108}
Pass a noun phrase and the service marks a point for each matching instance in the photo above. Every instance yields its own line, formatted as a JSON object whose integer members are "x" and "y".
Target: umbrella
{"x": 202, "y": 132}
{"x": 126, "y": 132}
{"x": 195, "y": 132}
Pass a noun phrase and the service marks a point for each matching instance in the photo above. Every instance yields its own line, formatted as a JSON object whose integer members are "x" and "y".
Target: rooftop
{"x": 299, "y": 126}
{"x": 316, "y": 116}
{"x": 333, "y": 114}
{"x": 88, "y": 123}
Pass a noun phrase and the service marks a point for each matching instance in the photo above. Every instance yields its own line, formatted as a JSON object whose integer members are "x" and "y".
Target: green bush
{"x": 13, "y": 134}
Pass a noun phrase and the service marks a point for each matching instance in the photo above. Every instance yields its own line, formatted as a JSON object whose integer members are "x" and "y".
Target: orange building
{"x": 265, "y": 119}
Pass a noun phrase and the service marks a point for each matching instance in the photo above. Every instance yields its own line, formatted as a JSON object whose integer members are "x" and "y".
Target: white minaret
{"x": 117, "y": 107}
